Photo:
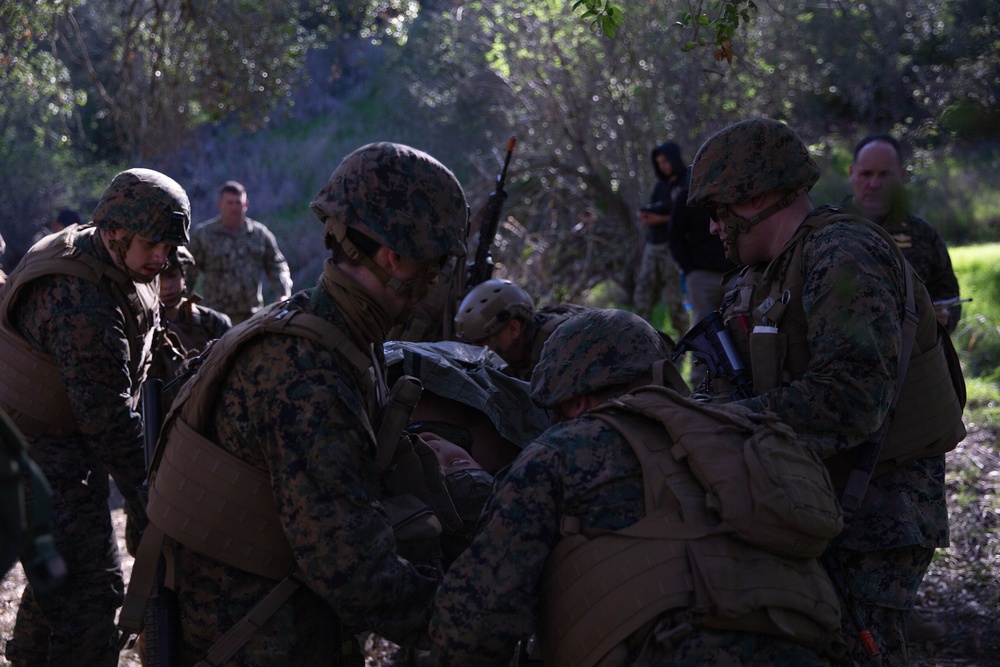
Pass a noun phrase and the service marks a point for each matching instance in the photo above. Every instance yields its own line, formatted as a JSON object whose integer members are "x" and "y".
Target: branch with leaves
{"x": 724, "y": 17}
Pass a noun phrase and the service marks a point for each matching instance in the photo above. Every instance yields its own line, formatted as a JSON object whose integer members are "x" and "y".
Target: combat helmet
{"x": 147, "y": 203}
{"x": 399, "y": 196}
{"x": 180, "y": 258}
{"x": 747, "y": 159}
{"x": 592, "y": 351}
{"x": 488, "y": 306}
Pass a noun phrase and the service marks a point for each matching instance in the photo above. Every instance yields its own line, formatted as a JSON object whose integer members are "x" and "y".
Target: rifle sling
{"x": 238, "y": 635}
{"x": 861, "y": 474}
{"x": 132, "y": 617}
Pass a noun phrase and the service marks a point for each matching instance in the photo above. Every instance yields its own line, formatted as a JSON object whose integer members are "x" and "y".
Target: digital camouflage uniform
{"x": 925, "y": 250}
{"x": 292, "y": 406}
{"x": 232, "y": 264}
{"x": 580, "y": 468}
{"x": 185, "y": 336}
{"x": 852, "y": 294}
{"x": 81, "y": 325}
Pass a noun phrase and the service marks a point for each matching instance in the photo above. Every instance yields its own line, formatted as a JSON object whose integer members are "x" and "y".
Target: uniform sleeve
{"x": 83, "y": 329}
{"x": 489, "y": 597}
{"x": 852, "y": 296}
{"x": 276, "y": 268}
{"x": 197, "y": 249}
{"x": 940, "y": 281}
{"x": 296, "y": 407}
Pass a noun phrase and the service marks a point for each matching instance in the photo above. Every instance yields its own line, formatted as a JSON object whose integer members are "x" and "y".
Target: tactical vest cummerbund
{"x": 31, "y": 387}
{"x": 217, "y": 505}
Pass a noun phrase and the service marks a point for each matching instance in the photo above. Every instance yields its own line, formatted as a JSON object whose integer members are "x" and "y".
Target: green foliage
{"x": 604, "y": 15}
{"x": 729, "y": 14}
{"x": 977, "y": 337}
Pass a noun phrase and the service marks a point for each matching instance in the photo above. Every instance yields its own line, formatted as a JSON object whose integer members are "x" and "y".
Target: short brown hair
{"x": 234, "y": 187}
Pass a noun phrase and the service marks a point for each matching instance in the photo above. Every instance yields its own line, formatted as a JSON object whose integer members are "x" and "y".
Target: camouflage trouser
{"x": 658, "y": 275}
{"x": 885, "y": 584}
{"x": 74, "y": 624}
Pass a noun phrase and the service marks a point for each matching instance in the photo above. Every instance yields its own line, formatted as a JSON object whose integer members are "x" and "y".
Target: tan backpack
{"x": 736, "y": 513}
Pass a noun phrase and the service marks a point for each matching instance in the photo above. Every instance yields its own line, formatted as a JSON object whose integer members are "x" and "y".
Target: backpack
{"x": 736, "y": 513}
{"x": 761, "y": 484}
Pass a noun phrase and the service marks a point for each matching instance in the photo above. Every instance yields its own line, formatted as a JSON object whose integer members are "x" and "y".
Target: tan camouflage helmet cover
{"x": 594, "y": 350}
{"x": 399, "y": 196}
{"x": 750, "y": 158}
{"x": 147, "y": 203}
{"x": 488, "y": 306}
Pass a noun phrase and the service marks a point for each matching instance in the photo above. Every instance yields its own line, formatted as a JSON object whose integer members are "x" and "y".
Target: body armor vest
{"x": 31, "y": 389}
{"x": 210, "y": 500}
{"x": 768, "y": 325}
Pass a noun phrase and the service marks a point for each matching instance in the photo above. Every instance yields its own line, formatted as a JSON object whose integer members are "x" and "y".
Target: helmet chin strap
{"x": 119, "y": 247}
{"x": 736, "y": 224}
{"x": 406, "y": 289}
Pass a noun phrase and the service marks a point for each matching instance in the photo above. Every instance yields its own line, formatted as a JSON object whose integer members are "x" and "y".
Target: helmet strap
{"x": 737, "y": 224}
{"x": 120, "y": 248}
{"x": 406, "y": 289}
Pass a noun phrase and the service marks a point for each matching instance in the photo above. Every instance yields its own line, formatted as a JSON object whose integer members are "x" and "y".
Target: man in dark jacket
{"x": 658, "y": 273}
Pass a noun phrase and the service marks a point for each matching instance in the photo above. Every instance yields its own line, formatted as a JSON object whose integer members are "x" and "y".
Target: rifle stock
{"x": 481, "y": 269}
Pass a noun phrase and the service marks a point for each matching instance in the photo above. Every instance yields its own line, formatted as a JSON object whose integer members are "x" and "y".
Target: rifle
{"x": 710, "y": 342}
{"x": 954, "y": 301}
{"x": 162, "y": 619}
{"x": 660, "y": 207}
{"x": 481, "y": 268}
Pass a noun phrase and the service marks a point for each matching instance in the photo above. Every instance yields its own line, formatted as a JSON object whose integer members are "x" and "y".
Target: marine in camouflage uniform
{"x": 754, "y": 178}
{"x": 659, "y": 276}
{"x": 186, "y": 327}
{"x": 502, "y": 316}
{"x": 231, "y": 251}
{"x": 305, "y": 412}
{"x": 581, "y": 468}
{"x": 83, "y": 303}
{"x": 878, "y": 194}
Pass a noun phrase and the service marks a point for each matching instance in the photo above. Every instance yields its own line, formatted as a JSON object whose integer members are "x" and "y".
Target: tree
{"x": 587, "y": 112}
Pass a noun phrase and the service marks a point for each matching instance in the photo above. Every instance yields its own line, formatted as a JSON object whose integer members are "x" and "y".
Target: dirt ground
{"x": 959, "y": 600}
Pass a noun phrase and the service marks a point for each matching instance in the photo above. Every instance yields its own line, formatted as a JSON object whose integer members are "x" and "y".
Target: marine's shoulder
{"x": 259, "y": 228}
{"x": 207, "y": 226}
